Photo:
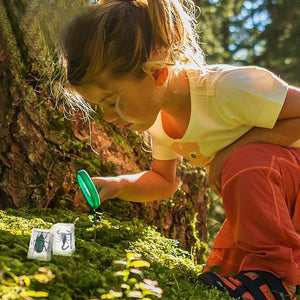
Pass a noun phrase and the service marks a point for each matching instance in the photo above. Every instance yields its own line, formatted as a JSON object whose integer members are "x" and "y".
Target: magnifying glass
{"x": 88, "y": 189}
{"x": 90, "y": 193}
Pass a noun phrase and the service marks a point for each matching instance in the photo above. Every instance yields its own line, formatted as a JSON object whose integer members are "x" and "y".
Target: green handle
{"x": 88, "y": 189}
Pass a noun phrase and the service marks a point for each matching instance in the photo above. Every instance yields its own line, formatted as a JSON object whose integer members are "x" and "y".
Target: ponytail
{"x": 174, "y": 35}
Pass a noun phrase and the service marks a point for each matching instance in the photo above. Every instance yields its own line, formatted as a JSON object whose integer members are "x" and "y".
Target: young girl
{"x": 140, "y": 61}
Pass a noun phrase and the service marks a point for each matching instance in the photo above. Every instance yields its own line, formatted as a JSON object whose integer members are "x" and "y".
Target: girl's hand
{"x": 216, "y": 168}
{"x": 80, "y": 201}
{"x": 107, "y": 188}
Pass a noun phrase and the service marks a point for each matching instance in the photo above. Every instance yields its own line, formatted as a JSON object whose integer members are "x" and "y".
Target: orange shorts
{"x": 260, "y": 191}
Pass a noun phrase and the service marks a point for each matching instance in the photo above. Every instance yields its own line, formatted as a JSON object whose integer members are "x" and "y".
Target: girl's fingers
{"x": 80, "y": 201}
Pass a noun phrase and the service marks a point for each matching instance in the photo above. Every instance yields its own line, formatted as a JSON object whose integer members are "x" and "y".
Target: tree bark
{"x": 41, "y": 150}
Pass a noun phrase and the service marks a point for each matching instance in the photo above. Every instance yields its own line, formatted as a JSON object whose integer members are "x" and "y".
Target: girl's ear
{"x": 160, "y": 76}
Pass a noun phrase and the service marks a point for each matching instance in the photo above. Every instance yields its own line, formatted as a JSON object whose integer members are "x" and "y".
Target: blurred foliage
{"x": 214, "y": 22}
{"x": 131, "y": 287}
{"x": 260, "y": 32}
{"x": 91, "y": 272}
{"x": 216, "y": 217}
{"x": 15, "y": 287}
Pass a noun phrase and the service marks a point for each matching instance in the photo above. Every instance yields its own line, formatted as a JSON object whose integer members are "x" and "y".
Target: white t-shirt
{"x": 226, "y": 102}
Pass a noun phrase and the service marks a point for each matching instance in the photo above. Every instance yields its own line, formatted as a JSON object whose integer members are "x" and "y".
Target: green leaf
{"x": 135, "y": 294}
{"x": 132, "y": 281}
{"x": 42, "y": 278}
{"x": 120, "y": 262}
{"x": 24, "y": 279}
{"x": 125, "y": 286}
{"x": 122, "y": 273}
{"x": 31, "y": 293}
{"x": 140, "y": 264}
{"x": 132, "y": 256}
{"x": 107, "y": 296}
{"x": 136, "y": 271}
{"x": 27, "y": 281}
{"x": 112, "y": 295}
{"x": 116, "y": 294}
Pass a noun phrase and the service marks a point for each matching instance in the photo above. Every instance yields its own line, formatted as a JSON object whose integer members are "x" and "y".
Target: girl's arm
{"x": 158, "y": 183}
{"x": 291, "y": 106}
{"x": 284, "y": 133}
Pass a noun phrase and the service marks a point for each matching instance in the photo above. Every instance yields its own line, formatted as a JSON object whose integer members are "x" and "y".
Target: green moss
{"x": 118, "y": 139}
{"x": 90, "y": 271}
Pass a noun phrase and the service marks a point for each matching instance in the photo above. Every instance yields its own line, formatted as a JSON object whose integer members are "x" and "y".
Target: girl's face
{"x": 128, "y": 102}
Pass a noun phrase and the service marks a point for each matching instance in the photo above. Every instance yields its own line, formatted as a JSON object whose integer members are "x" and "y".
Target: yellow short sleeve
{"x": 250, "y": 95}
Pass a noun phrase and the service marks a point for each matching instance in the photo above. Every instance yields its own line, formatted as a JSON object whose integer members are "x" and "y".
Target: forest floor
{"x": 91, "y": 271}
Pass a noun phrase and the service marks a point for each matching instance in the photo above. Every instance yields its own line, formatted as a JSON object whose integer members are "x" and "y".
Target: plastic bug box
{"x": 63, "y": 239}
{"x": 40, "y": 244}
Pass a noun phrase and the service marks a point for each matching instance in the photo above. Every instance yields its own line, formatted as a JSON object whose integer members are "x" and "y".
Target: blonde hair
{"x": 130, "y": 37}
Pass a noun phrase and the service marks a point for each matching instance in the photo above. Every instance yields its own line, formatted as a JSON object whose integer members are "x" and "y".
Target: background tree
{"x": 42, "y": 147}
{"x": 260, "y": 32}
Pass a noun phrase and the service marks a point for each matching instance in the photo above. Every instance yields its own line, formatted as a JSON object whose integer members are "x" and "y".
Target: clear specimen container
{"x": 63, "y": 239}
{"x": 40, "y": 245}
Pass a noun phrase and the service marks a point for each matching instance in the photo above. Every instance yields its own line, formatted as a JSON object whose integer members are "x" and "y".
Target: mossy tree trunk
{"x": 41, "y": 150}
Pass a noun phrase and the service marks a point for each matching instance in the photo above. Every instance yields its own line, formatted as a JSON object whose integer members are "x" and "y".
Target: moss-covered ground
{"x": 91, "y": 272}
